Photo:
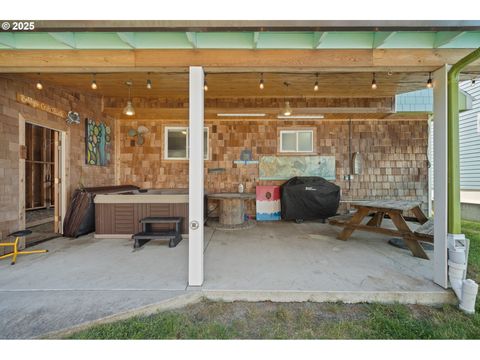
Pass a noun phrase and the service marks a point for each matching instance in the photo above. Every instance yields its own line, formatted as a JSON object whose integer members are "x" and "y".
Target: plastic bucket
{"x": 457, "y": 256}
{"x": 455, "y": 271}
{"x": 469, "y": 295}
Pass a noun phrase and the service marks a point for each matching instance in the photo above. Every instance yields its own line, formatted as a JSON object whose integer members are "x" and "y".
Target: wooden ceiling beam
{"x": 12, "y": 61}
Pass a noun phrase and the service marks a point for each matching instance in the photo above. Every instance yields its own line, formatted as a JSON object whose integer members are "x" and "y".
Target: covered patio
{"x": 182, "y": 108}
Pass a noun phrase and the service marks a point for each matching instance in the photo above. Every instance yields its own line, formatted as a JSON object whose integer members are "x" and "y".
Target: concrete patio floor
{"x": 84, "y": 279}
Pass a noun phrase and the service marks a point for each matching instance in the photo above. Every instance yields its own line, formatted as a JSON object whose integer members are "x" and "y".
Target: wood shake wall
{"x": 87, "y": 105}
{"x": 394, "y": 154}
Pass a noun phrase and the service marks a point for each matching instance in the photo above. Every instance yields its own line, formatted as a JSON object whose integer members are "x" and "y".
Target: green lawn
{"x": 266, "y": 320}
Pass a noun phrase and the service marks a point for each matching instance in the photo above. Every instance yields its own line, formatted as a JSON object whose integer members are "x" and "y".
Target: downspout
{"x": 454, "y": 225}
{"x": 465, "y": 290}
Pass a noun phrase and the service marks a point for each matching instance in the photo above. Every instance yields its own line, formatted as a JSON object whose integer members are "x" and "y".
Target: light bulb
{"x": 315, "y": 87}
{"x": 205, "y": 85}
{"x": 149, "y": 84}
{"x": 262, "y": 86}
{"x": 287, "y": 110}
{"x": 94, "y": 85}
{"x": 374, "y": 82}
{"x": 429, "y": 81}
{"x": 39, "y": 85}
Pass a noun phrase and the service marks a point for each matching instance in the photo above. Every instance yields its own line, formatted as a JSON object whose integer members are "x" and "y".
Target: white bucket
{"x": 457, "y": 256}
{"x": 469, "y": 295}
{"x": 455, "y": 271}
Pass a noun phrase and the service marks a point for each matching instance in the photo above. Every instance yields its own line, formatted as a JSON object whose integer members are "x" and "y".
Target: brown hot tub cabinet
{"x": 119, "y": 215}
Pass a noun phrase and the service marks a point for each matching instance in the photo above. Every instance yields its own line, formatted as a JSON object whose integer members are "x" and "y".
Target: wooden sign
{"x": 27, "y": 100}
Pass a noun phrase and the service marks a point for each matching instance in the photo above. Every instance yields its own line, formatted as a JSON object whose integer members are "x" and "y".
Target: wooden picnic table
{"x": 395, "y": 210}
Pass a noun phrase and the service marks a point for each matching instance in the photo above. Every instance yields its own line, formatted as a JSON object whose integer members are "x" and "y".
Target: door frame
{"x": 62, "y": 190}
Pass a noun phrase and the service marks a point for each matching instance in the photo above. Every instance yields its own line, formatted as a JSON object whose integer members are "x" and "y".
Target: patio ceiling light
{"x": 205, "y": 84}
{"x": 39, "y": 84}
{"x": 129, "y": 109}
{"x": 374, "y": 82}
{"x": 261, "y": 85}
{"x": 315, "y": 87}
{"x": 429, "y": 81}
{"x": 287, "y": 110}
{"x": 241, "y": 114}
{"x": 94, "y": 85}
{"x": 301, "y": 117}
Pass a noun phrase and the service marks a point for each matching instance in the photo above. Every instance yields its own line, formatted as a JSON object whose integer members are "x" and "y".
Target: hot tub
{"x": 118, "y": 215}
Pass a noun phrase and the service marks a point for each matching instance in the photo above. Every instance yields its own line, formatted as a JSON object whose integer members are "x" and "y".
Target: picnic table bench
{"x": 395, "y": 210}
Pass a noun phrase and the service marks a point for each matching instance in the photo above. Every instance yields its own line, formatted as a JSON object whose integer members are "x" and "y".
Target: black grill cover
{"x": 309, "y": 198}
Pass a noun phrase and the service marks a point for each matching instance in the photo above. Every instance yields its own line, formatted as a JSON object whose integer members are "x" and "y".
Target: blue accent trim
{"x": 269, "y": 217}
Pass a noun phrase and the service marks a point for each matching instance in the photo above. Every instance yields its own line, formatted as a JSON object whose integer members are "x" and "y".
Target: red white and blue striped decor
{"x": 268, "y": 203}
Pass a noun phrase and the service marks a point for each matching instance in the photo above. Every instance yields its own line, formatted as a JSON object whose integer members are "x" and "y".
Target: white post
{"x": 440, "y": 169}
{"x": 196, "y": 174}
{"x": 430, "y": 168}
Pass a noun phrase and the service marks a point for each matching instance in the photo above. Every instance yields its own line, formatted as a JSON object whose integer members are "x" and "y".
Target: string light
{"x": 374, "y": 82}
{"x": 261, "y": 85}
{"x": 287, "y": 110}
{"x": 149, "y": 84}
{"x": 429, "y": 81}
{"x": 315, "y": 87}
{"x": 205, "y": 84}
{"x": 94, "y": 85}
{"x": 39, "y": 84}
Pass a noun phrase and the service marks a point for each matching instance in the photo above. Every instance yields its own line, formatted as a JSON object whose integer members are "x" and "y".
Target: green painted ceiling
{"x": 241, "y": 40}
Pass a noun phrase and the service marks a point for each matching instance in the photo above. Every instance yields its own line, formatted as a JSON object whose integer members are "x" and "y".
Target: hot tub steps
{"x": 147, "y": 233}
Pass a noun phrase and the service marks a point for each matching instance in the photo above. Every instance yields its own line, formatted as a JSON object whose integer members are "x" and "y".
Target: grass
{"x": 266, "y": 320}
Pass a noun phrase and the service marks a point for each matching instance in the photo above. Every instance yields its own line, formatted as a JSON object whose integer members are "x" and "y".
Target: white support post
{"x": 196, "y": 177}
{"x": 440, "y": 168}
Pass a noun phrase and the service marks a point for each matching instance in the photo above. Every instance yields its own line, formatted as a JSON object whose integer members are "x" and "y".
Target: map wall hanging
{"x": 97, "y": 143}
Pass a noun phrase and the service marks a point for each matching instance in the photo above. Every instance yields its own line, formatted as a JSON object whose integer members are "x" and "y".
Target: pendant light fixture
{"x": 374, "y": 82}
{"x": 429, "y": 81}
{"x": 315, "y": 87}
{"x": 39, "y": 84}
{"x": 128, "y": 109}
{"x": 262, "y": 84}
{"x": 94, "y": 85}
{"x": 287, "y": 110}
{"x": 205, "y": 84}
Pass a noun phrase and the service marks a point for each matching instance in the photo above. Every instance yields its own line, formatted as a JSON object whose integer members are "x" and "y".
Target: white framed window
{"x": 176, "y": 143}
{"x": 296, "y": 141}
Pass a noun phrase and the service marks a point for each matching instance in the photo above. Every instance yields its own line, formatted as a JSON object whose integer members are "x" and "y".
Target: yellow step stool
{"x": 18, "y": 235}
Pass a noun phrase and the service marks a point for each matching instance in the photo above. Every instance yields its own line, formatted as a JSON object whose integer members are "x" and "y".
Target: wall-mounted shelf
{"x": 245, "y": 162}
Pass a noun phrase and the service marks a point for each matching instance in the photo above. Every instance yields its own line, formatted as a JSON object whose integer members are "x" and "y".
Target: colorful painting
{"x": 286, "y": 167}
{"x": 97, "y": 141}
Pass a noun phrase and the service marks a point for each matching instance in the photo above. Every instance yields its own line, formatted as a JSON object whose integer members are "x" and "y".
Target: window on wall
{"x": 176, "y": 143}
{"x": 296, "y": 141}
